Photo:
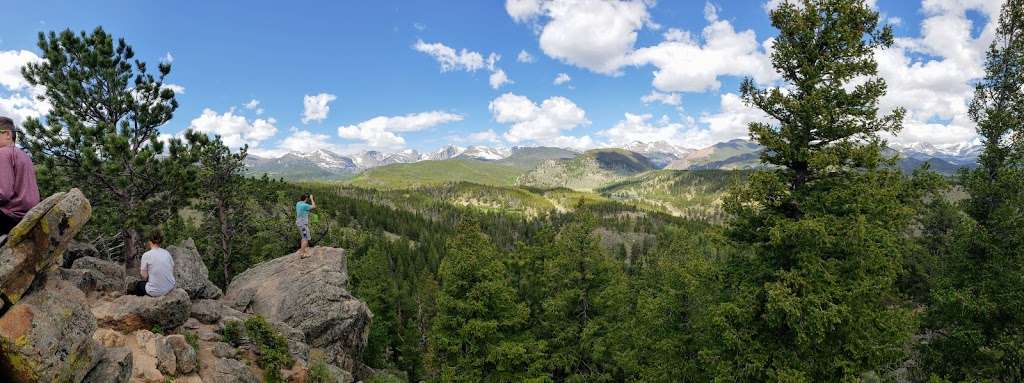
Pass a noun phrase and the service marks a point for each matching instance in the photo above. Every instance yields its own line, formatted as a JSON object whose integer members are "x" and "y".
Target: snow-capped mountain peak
{"x": 485, "y": 153}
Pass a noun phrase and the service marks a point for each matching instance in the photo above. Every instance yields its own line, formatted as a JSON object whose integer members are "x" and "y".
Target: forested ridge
{"x": 830, "y": 264}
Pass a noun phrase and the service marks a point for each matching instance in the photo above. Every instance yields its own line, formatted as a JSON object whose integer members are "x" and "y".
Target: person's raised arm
{"x": 313, "y": 200}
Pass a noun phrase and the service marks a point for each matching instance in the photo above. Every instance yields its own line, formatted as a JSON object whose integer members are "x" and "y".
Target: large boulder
{"x": 36, "y": 244}
{"x": 47, "y": 336}
{"x": 184, "y": 354}
{"x": 128, "y": 313}
{"x": 78, "y": 250}
{"x": 108, "y": 276}
{"x": 310, "y": 295}
{"x": 223, "y": 370}
{"x": 207, "y": 311}
{"x": 190, "y": 272}
{"x": 115, "y": 366}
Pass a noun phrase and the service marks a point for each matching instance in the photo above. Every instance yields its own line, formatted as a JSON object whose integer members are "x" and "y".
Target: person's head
{"x": 304, "y": 198}
{"x": 155, "y": 238}
{"x": 8, "y": 132}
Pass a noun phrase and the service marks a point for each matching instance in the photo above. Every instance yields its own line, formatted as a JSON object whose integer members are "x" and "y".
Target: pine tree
{"x": 814, "y": 299}
{"x": 103, "y": 131}
{"x": 584, "y": 304}
{"x": 223, "y": 195}
{"x": 976, "y": 308}
{"x": 478, "y": 333}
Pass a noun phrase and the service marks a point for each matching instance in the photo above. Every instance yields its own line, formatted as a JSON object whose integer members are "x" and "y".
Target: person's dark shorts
{"x": 7, "y": 223}
{"x": 304, "y": 230}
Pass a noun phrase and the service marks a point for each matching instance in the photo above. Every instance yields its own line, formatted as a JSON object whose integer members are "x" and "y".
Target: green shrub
{"x": 232, "y": 332}
{"x": 157, "y": 329}
{"x": 193, "y": 340}
{"x": 272, "y": 346}
{"x": 319, "y": 373}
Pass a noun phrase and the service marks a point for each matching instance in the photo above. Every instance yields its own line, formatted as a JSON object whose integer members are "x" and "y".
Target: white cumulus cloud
{"x": 932, "y": 75}
{"x": 451, "y": 60}
{"x": 684, "y": 64}
{"x": 17, "y": 98}
{"x": 673, "y": 99}
{"x": 562, "y": 78}
{"x": 525, "y": 57}
{"x": 542, "y": 123}
{"x": 381, "y": 131}
{"x": 235, "y": 130}
{"x": 315, "y": 108}
{"x": 640, "y": 127}
{"x": 499, "y": 78}
{"x": 592, "y": 34}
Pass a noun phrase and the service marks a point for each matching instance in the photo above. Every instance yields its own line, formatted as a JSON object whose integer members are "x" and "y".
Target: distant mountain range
{"x": 551, "y": 167}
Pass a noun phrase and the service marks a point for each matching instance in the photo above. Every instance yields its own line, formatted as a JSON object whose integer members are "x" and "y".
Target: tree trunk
{"x": 131, "y": 257}
{"x": 225, "y": 241}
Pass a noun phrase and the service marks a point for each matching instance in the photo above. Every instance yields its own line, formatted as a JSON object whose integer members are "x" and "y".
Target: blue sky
{"x": 383, "y": 63}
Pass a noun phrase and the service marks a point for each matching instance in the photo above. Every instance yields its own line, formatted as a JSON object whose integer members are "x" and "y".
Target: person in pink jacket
{"x": 18, "y": 189}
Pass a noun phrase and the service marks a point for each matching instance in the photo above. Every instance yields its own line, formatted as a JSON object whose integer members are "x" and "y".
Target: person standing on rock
{"x": 302, "y": 208}
{"x": 157, "y": 269}
{"x": 18, "y": 190}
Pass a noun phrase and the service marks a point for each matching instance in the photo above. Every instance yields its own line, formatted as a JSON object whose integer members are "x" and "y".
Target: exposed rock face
{"x": 47, "y": 337}
{"x": 108, "y": 276}
{"x": 184, "y": 354}
{"x": 45, "y": 329}
{"x": 310, "y": 295}
{"x": 129, "y": 313}
{"x": 190, "y": 272}
{"x": 38, "y": 242}
{"x": 228, "y": 371}
{"x": 207, "y": 311}
{"x": 115, "y": 366}
{"x": 78, "y": 250}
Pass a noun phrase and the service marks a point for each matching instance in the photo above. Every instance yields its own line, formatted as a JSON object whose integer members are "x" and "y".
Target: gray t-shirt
{"x": 160, "y": 265}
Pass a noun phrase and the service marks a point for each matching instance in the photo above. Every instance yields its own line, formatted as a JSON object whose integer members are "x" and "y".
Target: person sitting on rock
{"x": 18, "y": 190}
{"x": 302, "y": 209}
{"x": 157, "y": 269}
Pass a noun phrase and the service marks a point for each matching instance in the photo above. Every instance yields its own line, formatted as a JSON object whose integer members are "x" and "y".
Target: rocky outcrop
{"x": 129, "y": 313}
{"x": 38, "y": 242}
{"x": 224, "y": 370}
{"x": 45, "y": 326}
{"x": 190, "y": 272}
{"x": 310, "y": 295}
{"x": 115, "y": 366}
{"x": 77, "y": 250}
{"x": 94, "y": 274}
{"x": 207, "y": 311}
{"x": 47, "y": 337}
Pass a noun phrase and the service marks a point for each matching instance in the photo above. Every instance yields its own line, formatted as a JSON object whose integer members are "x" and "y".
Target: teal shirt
{"x": 302, "y": 212}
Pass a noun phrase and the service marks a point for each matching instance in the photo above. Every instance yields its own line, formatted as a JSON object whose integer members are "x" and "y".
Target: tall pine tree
{"x": 103, "y": 131}
{"x": 976, "y": 310}
{"x": 478, "y": 333}
{"x": 814, "y": 299}
{"x": 223, "y": 197}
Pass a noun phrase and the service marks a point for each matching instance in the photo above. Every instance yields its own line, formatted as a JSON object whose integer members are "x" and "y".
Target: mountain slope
{"x": 735, "y": 154}
{"x": 530, "y": 158}
{"x": 590, "y": 170}
{"x": 321, "y": 165}
{"x": 437, "y": 172}
{"x": 694, "y": 194}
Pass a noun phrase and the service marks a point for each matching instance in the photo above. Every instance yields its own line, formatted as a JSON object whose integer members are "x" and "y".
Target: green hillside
{"x": 588, "y": 171}
{"x": 693, "y": 194}
{"x": 733, "y": 155}
{"x": 424, "y": 173}
{"x": 530, "y": 158}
